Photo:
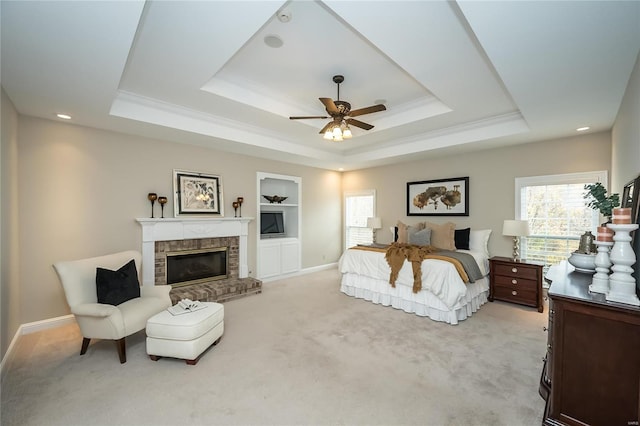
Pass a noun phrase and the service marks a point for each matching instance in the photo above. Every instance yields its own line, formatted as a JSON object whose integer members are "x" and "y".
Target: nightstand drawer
{"x": 516, "y": 283}
{"x": 526, "y": 297}
{"x": 516, "y": 270}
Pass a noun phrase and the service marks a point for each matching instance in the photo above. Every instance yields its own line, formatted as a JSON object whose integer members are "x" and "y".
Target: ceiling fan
{"x": 341, "y": 115}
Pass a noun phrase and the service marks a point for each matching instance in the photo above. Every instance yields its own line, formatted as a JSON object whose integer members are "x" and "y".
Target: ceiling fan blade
{"x": 329, "y": 105}
{"x": 308, "y": 118}
{"x": 358, "y": 123}
{"x": 367, "y": 110}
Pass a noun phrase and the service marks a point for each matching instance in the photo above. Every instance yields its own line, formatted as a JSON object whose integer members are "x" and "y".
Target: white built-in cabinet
{"x": 280, "y": 255}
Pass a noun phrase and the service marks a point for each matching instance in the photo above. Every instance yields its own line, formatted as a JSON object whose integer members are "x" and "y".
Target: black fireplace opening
{"x": 196, "y": 266}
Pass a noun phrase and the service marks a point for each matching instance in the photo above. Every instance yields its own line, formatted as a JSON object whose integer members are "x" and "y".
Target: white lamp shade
{"x": 374, "y": 223}
{"x": 515, "y": 228}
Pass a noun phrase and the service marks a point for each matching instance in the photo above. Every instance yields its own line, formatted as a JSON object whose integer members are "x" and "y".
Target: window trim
{"x": 361, "y": 192}
{"x": 557, "y": 179}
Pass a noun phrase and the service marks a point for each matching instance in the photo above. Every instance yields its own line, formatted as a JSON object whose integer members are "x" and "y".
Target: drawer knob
{"x": 514, "y": 270}
{"x": 514, "y": 281}
{"x": 515, "y": 293}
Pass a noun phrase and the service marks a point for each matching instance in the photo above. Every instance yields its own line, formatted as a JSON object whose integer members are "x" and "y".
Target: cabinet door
{"x": 290, "y": 252}
{"x": 270, "y": 255}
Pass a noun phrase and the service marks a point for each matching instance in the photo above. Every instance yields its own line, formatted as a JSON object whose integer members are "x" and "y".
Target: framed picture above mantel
{"x": 439, "y": 197}
{"x": 197, "y": 194}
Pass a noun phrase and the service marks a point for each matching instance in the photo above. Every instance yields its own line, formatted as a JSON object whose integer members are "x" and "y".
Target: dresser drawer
{"x": 525, "y": 297}
{"x": 516, "y": 270}
{"x": 516, "y": 283}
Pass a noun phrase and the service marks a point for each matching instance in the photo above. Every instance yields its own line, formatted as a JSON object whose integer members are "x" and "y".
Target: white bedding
{"x": 444, "y": 296}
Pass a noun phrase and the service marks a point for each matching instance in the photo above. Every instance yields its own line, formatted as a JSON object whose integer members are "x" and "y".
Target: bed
{"x": 444, "y": 295}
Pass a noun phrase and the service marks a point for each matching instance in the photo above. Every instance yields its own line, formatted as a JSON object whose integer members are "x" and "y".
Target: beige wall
{"x": 625, "y": 135}
{"x": 82, "y": 188}
{"x": 9, "y": 287}
{"x": 492, "y": 176}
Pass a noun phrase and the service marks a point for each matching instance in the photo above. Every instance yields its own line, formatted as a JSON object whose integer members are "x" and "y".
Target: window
{"x": 358, "y": 206}
{"x": 557, "y": 214}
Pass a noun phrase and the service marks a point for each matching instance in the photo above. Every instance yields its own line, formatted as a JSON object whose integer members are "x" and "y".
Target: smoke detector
{"x": 284, "y": 15}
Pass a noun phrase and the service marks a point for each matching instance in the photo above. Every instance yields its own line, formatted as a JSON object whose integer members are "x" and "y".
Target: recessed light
{"x": 64, "y": 116}
{"x": 582, "y": 129}
{"x": 273, "y": 41}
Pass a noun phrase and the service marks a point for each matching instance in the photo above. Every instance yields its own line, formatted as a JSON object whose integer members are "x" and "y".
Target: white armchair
{"x": 102, "y": 321}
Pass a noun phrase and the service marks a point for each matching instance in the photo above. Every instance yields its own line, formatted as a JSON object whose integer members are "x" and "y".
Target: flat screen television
{"x": 272, "y": 224}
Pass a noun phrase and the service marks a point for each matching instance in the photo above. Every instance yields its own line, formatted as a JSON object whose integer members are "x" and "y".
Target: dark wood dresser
{"x": 516, "y": 281}
{"x": 591, "y": 372}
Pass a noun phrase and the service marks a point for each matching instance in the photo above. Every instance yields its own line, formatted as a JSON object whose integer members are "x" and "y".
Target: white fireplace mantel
{"x": 184, "y": 229}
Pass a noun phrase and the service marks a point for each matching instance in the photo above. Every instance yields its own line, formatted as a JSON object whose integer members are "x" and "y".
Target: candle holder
{"x": 235, "y": 205}
{"x": 162, "y": 201}
{"x": 152, "y": 197}
{"x": 240, "y": 200}
{"x": 600, "y": 282}
{"x": 622, "y": 284}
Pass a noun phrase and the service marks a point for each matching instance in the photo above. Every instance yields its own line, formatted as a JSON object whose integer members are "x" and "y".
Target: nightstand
{"x": 516, "y": 282}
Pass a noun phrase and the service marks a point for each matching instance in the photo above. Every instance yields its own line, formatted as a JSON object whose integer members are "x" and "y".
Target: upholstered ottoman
{"x": 185, "y": 336}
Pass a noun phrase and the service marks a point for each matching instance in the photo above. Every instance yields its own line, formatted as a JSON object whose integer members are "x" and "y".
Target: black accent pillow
{"x": 461, "y": 238}
{"x": 116, "y": 287}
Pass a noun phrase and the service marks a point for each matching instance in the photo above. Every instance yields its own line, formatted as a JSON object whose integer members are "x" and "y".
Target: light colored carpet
{"x": 299, "y": 353}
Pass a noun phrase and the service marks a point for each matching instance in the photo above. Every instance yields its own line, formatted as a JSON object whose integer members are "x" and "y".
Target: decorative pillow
{"x": 421, "y": 238}
{"x": 461, "y": 238}
{"x": 116, "y": 287}
{"x": 442, "y": 235}
{"x": 479, "y": 241}
{"x": 405, "y": 230}
{"x": 394, "y": 233}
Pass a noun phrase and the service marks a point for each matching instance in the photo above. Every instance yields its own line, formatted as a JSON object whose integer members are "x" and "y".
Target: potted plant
{"x": 598, "y": 200}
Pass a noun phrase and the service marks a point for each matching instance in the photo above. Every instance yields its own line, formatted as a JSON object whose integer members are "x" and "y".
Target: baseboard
{"x": 313, "y": 269}
{"x": 28, "y": 328}
{"x": 304, "y": 271}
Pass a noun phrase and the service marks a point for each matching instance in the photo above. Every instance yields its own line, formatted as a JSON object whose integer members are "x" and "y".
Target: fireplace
{"x": 188, "y": 236}
{"x": 181, "y": 263}
{"x": 188, "y": 267}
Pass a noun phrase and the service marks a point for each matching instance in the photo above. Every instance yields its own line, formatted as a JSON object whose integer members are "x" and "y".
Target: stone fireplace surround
{"x": 173, "y": 234}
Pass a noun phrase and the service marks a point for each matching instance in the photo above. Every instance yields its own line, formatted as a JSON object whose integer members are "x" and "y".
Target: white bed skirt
{"x": 424, "y": 303}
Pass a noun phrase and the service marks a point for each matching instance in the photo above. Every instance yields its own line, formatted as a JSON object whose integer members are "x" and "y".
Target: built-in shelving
{"x": 281, "y": 255}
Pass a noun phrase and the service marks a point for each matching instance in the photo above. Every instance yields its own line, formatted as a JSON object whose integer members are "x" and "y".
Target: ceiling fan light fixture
{"x": 341, "y": 116}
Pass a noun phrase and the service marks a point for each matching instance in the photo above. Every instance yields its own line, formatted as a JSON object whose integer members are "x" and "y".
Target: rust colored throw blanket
{"x": 398, "y": 252}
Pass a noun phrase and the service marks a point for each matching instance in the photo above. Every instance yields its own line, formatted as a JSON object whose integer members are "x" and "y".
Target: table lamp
{"x": 374, "y": 223}
{"x": 515, "y": 229}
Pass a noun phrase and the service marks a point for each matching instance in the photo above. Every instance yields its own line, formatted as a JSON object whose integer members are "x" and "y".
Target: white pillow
{"x": 479, "y": 240}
